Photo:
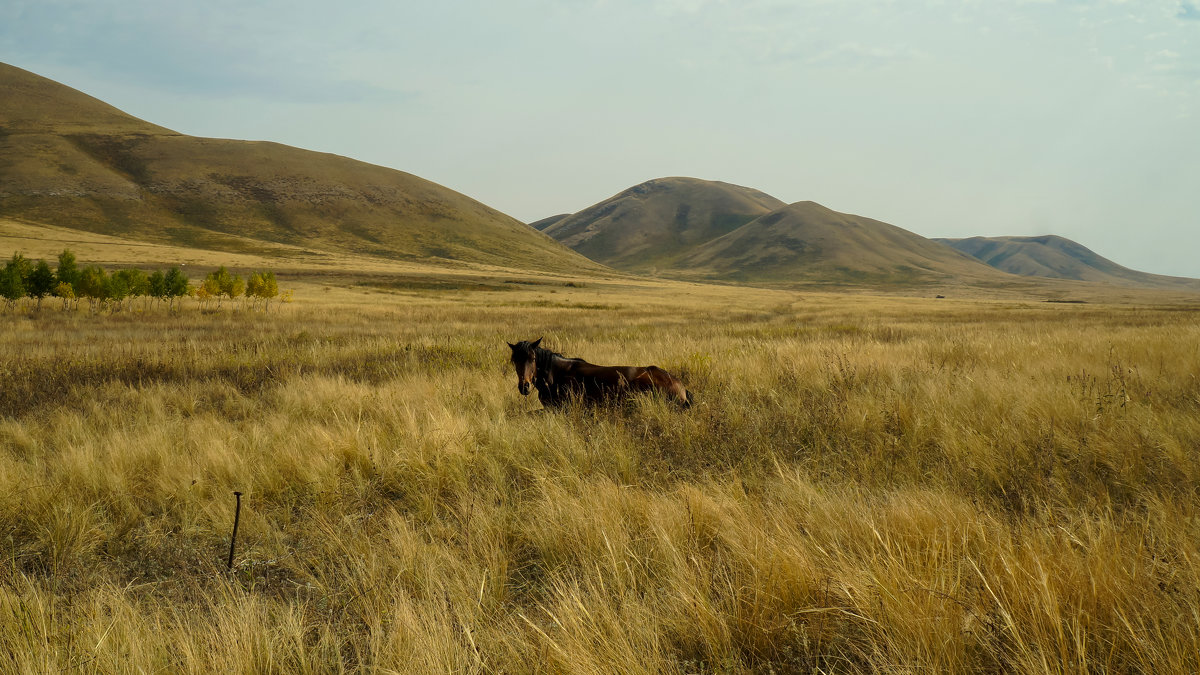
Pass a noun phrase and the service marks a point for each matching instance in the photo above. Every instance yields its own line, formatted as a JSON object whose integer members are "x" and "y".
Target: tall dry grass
{"x": 865, "y": 484}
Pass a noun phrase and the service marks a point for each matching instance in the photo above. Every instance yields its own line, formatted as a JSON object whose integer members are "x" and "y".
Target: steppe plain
{"x": 985, "y": 482}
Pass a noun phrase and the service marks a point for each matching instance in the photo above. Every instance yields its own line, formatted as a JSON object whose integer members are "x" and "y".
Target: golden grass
{"x": 40, "y": 241}
{"x": 865, "y": 484}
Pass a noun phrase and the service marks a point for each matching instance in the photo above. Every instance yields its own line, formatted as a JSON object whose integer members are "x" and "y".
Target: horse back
{"x": 596, "y": 382}
{"x": 654, "y": 378}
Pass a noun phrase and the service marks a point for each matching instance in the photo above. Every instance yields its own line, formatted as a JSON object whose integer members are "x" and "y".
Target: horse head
{"x": 524, "y": 359}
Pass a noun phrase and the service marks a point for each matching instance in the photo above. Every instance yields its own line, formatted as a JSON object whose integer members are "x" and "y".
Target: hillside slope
{"x": 1059, "y": 258}
{"x": 541, "y": 225}
{"x": 652, "y": 224}
{"x": 809, "y": 242}
{"x": 70, "y": 160}
{"x": 709, "y": 230}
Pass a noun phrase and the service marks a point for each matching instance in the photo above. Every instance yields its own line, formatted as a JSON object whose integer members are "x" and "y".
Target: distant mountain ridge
{"x": 70, "y": 160}
{"x": 651, "y": 224}
{"x": 806, "y": 241}
{"x": 701, "y": 229}
{"x": 709, "y": 230}
{"x": 1056, "y": 257}
{"x": 541, "y": 225}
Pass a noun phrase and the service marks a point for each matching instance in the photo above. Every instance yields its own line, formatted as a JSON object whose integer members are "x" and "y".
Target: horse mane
{"x": 544, "y": 360}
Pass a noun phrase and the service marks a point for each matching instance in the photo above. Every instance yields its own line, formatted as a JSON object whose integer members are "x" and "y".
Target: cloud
{"x": 1188, "y": 11}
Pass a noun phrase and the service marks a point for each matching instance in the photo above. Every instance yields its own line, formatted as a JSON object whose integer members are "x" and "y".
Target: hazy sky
{"x": 948, "y": 118}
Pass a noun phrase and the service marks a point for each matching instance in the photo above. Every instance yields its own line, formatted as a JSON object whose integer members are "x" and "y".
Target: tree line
{"x": 25, "y": 278}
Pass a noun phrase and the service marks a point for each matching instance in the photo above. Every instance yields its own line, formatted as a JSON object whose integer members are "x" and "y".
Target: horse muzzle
{"x": 523, "y": 387}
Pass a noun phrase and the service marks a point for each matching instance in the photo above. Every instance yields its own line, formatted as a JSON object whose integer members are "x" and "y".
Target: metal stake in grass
{"x": 237, "y": 514}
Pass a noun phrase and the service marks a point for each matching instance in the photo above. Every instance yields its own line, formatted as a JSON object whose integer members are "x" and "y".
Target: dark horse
{"x": 559, "y": 380}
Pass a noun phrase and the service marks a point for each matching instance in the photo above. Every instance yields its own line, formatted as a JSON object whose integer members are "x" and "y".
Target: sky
{"x": 949, "y": 118}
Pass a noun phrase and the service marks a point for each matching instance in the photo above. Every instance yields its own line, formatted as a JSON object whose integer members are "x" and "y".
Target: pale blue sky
{"x": 948, "y": 118}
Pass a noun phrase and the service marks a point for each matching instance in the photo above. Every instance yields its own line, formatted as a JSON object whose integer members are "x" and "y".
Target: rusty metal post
{"x": 237, "y": 514}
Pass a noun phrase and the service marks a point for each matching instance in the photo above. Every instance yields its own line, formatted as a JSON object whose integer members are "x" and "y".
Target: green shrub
{"x": 68, "y": 272}
{"x": 176, "y": 284}
{"x": 134, "y": 281}
{"x": 93, "y": 284}
{"x": 14, "y": 278}
{"x": 12, "y": 284}
{"x": 41, "y": 281}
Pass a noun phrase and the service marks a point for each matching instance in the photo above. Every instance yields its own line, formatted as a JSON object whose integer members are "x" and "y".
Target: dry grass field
{"x": 866, "y": 484}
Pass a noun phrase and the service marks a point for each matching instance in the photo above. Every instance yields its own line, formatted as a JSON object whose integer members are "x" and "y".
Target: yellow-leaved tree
{"x": 222, "y": 283}
{"x": 262, "y": 287}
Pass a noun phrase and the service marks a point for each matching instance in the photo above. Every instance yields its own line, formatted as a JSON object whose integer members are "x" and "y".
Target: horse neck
{"x": 547, "y": 362}
{"x": 543, "y": 360}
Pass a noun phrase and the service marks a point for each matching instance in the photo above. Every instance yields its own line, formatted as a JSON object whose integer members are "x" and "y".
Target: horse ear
{"x": 511, "y": 346}
{"x": 536, "y": 343}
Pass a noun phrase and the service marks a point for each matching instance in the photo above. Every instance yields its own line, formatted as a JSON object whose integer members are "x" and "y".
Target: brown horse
{"x": 559, "y": 380}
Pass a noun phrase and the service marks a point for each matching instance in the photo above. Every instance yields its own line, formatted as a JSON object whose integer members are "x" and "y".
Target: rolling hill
{"x": 809, "y": 242}
{"x": 541, "y": 225}
{"x": 652, "y": 224}
{"x": 1059, "y": 258}
{"x": 700, "y": 229}
{"x": 70, "y": 160}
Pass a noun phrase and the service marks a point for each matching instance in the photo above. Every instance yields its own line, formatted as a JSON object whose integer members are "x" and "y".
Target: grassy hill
{"x": 809, "y": 242}
{"x": 541, "y": 225}
{"x": 691, "y": 228}
{"x": 652, "y": 224}
{"x": 69, "y": 160}
{"x": 1059, "y": 258}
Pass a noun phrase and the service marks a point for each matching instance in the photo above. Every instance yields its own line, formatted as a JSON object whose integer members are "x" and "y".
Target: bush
{"x": 94, "y": 285}
{"x": 68, "y": 271}
{"x": 12, "y": 286}
{"x": 13, "y": 278}
{"x": 175, "y": 284}
{"x": 221, "y": 282}
{"x": 262, "y": 286}
{"x": 116, "y": 287}
{"x": 66, "y": 292}
{"x": 132, "y": 281}
{"x": 167, "y": 286}
{"x": 157, "y": 285}
{"x": 41, "y": 281}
